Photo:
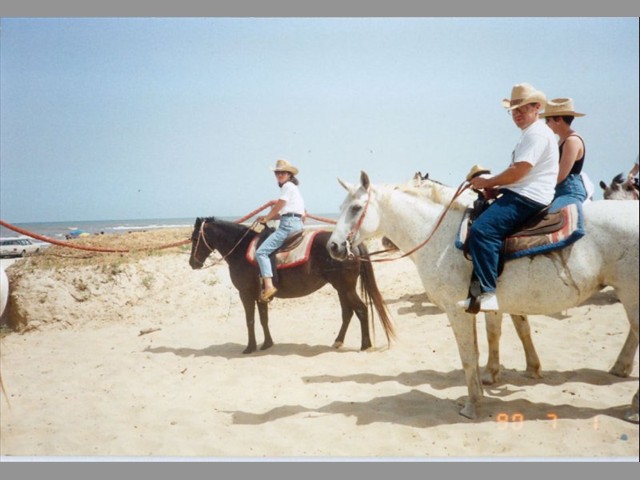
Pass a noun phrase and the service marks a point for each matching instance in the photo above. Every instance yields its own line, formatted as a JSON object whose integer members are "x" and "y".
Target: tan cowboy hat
{"x": 560, "y": 107}
{"x": 477, "y": 170}
{"x": 523, "y": 94}
{"x": 284, "y": 166}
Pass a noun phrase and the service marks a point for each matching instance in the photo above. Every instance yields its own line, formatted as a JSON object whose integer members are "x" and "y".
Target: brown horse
{"x": 231, "y": 240}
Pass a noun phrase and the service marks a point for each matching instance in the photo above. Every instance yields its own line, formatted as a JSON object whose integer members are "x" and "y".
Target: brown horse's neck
{"x": 228, "y": 238}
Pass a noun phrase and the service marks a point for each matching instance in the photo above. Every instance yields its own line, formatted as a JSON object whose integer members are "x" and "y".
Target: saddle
{"x": 294, "y": 251}
{"x": 545, "y": 232}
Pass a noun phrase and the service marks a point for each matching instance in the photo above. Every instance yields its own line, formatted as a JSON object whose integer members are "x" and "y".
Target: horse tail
{"x": 372, "y": 294}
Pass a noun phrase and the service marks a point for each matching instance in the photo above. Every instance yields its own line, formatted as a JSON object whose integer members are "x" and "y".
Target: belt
{"x": 291, "y": 215}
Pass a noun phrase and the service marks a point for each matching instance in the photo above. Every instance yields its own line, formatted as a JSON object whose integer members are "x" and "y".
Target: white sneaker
{"x": 488, "y": 302}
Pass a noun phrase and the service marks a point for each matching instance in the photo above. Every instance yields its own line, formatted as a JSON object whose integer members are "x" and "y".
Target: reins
{"x": 463, "y": 186}
{"x": 202, "y": 236}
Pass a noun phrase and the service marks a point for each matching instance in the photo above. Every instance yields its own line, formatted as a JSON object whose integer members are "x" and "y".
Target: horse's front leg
{"x": 464, "y": 329}
{"x": 263, "y": 312}
{"x": 249, "y": 304}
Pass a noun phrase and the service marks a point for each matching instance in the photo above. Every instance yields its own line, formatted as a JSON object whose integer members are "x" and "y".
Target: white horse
{"x": 545, "y": 284}
{"x": 4, "y": 289}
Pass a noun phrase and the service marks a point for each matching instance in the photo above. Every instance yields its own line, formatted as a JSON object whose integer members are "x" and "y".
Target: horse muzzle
{"x": 340, "y": 251}
{"x": 195, "y": 264}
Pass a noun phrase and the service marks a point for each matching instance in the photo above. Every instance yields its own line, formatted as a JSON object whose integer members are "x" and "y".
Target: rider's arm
{"x": 515, "y": 172}
{"x": 273, "y": 214}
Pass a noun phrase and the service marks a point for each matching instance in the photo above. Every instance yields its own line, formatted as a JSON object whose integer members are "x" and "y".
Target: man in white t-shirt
{"x": 525, "y": 187}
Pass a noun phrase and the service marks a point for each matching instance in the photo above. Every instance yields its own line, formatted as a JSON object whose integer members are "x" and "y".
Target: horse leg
{"x": 464, "y": 329}
{"x": 492, "y": 371}
{"x": 493, "y": 321}
{"x": 523, "y": 329}
{"x": 624, "y": 363}
{"x": 263, "y": 311}
{"x": 249, "y": 303}
{"x": 347, "y": 313}
{"x": 633, "y": 415}
{"x": 357, "y": 305}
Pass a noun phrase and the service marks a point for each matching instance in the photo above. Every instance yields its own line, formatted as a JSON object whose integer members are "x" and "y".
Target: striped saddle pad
{"x": 550, "y": 232}
{"x": 294, "y": 252}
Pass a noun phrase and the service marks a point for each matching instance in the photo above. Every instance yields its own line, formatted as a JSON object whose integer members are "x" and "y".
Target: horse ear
{"x": 364, "y": 180}
{"x": 618, "y": 178}
{"x": 347, "y": 186}
{"x": 603, "y": 185}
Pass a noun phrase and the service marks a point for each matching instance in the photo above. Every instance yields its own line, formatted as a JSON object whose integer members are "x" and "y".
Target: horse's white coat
{"x": 545, "y": 284}
{"x": 4, "y": 290}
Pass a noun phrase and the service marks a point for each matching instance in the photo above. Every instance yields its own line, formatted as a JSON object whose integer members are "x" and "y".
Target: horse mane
{"x": 236, "y": 228}
{"x": 436, "y": 192}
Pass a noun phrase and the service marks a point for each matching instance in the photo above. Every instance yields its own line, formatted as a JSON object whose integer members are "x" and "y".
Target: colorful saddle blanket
{"x": 295, "y": 250}
{"x": 543, "y": 234}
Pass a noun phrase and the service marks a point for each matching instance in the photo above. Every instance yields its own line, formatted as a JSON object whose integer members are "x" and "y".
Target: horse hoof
{"x": 620, "y": 370}
{"x": 535, "y": 374}
{"x": 337, "y": 345}
{"x": 249, "y": 350}
{"x": 469, "y": 411}
{"x": 490, "y": 379}
{"x": 632, "y": 417}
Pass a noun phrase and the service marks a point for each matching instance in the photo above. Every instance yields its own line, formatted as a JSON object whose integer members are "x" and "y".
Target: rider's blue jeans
{"x": 570, "y": 190}
{"x": 288, "y": 225}
{"x": 505, "y": 216}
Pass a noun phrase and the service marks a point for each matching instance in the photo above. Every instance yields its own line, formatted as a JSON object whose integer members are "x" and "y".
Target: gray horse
{"x": 620, "y": 189}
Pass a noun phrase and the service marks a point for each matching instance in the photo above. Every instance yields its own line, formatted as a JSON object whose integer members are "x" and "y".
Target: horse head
{"x": 359, "y": 219}
{"x": 619, "y": 189}
{"x": 200, "y": 249}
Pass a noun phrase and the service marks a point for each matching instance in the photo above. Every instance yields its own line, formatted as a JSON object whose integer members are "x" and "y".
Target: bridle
{"x": 201, "y": 236}
{"x": 356, "y": 227}
{"x": 463, "y": 186}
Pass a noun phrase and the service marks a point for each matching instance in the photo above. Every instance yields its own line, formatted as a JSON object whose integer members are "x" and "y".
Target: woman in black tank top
{"x": 559, "y": 115}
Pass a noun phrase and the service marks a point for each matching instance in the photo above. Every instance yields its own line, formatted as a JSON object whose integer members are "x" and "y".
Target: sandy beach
{"x": 144, "y": 359}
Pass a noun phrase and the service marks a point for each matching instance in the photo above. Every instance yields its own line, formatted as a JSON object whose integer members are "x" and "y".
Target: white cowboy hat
{"x": 560, "y": 107}
{"x": 284, "y": 166}
{"x": 523, "y": 94}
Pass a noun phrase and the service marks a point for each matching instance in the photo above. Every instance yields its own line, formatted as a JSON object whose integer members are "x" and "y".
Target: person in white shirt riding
{"x": 525, "y": 188}
{"x": 290, "y": 209}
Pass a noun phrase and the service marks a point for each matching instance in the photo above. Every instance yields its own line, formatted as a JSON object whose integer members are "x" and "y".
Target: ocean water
{"x": 59, "y": 230}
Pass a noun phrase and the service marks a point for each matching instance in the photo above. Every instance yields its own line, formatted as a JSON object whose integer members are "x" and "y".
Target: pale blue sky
{"x": 125, "y": 118}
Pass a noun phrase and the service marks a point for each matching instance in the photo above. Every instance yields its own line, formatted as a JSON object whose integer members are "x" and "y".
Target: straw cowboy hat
{"x": 284, "y": 166}
{"x": 523, "y": 94}
{"x": 477, "y": 170}
{"x": 560, "y": 107}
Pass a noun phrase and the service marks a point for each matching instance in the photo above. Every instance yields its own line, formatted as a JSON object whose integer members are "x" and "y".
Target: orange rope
{"x": 321, "y": 219}
{"x": 125, "y": 250}
{"x": 58, "y": 242}
{"x": 256, "y": 211}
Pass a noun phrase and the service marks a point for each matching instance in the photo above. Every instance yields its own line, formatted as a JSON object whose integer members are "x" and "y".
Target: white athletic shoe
{"x": 488, "y": 302}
